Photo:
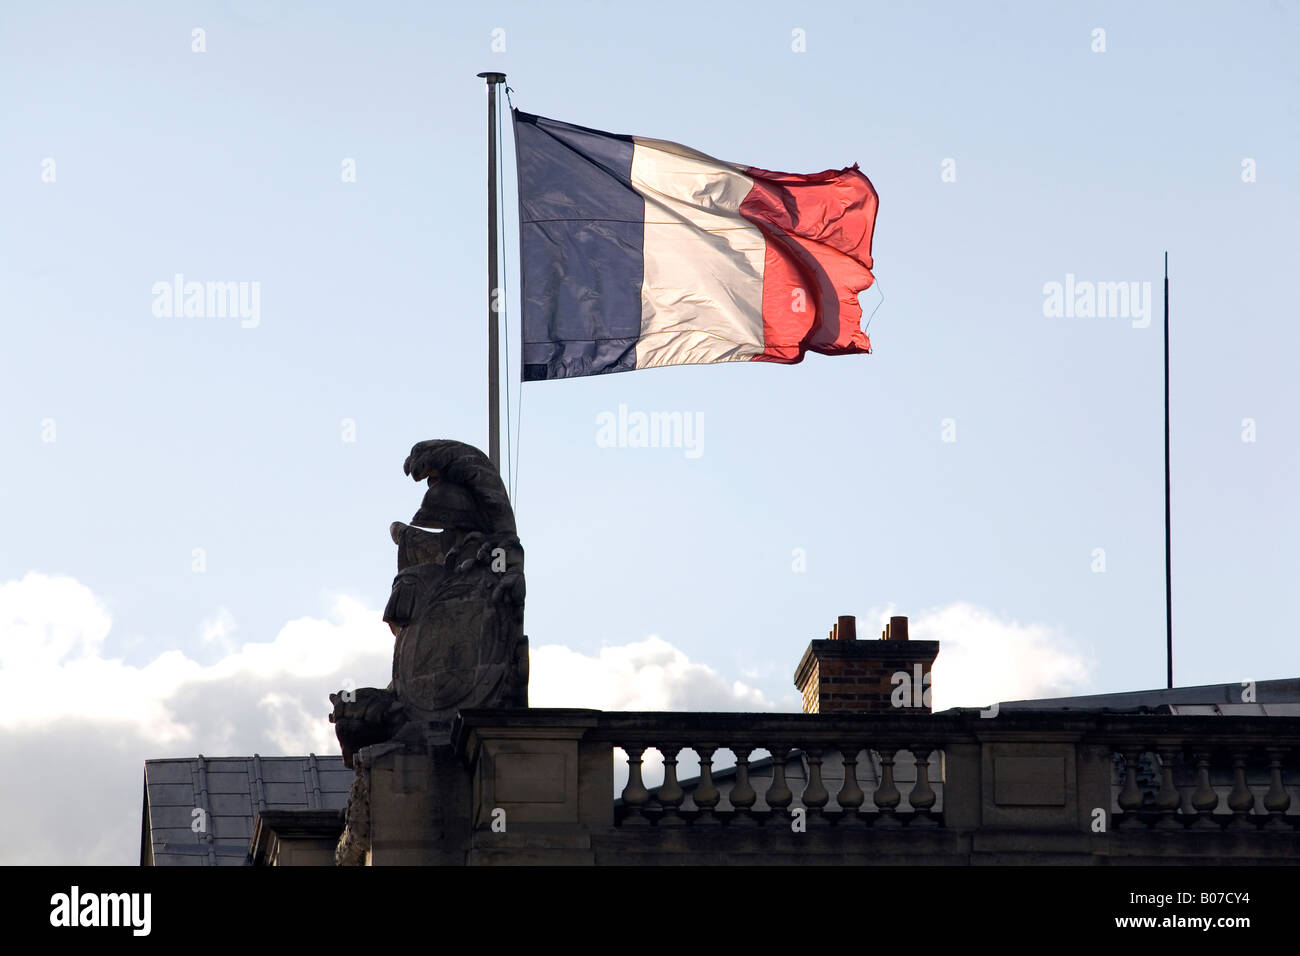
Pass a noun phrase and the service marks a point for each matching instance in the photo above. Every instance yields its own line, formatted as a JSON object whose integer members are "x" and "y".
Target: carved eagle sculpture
{"x": 457, "y": 604}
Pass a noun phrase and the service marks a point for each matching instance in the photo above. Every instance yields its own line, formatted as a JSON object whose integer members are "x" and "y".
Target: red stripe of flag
{"x": 818, "y": 229}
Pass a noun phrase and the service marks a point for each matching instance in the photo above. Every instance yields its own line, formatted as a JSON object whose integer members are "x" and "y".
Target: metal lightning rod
{"x": 1169, "y": 585}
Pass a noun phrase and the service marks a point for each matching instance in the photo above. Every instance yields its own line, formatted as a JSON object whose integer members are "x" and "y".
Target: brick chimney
{"x": 842, "y": 675}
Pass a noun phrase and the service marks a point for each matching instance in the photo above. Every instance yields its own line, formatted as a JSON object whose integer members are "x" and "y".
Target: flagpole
{"x": 494, "y": 336}
{"x": 1169, "y": 586}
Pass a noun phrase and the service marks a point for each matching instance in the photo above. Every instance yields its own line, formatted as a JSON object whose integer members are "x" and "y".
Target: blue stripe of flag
{"x": 582, "y": 226}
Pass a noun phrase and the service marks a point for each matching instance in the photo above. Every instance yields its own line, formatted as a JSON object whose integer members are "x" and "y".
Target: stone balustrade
{"x": 1167, "y": 781}
{"x": 953, "y": 787}
{"x": 763, "y": 794}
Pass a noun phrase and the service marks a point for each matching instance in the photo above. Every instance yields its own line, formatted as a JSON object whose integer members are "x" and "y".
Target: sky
{"x": 193, "y": 511}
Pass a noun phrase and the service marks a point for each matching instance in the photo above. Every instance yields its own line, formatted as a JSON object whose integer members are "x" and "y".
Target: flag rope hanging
{"x": 519, "y": 418}
{"x": 867, "y": 327}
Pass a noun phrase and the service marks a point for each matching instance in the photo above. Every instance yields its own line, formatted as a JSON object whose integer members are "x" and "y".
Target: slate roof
{"x": 1222, "y": 698}
{"x": 231, "y": 791}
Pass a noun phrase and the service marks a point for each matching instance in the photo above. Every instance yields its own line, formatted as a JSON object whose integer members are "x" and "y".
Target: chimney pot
{"x": 848, "y": 676}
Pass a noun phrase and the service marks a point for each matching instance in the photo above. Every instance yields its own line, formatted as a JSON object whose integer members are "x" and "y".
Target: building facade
{"x": 866, "y": 774}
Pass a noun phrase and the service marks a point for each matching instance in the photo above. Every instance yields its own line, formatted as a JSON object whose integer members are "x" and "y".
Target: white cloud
{"x": 984, "y": 658}
{"x": 89, "y": 722}
{"x": 44, "y": 619}
{"x": 52, "y": 630}
{"x": 86, "y": 723}
{"x": 646, "y": 675}
{"x": 218, "y": 628}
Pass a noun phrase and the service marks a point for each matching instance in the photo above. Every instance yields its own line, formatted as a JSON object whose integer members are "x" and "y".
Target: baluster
{"x": 1168, "y": 799}
{"x": 850, "y": 796}
{"x": 1186, "y": 769}
{"x": 1240, "y": 800}
{"x": 670, "y": 793}
{"x": 887, "y": 795}
{"x": 778, "y": 794}
{"x": 922, "y": 796}
{"x": 635, "y": 795}
{"x": 1204, "y": 798}
{"x": 1277, "y": 800}
{"x": 1130, "y": 796}
{"x": 706, "y": 794}
{"x": 742, "y": 794}
{"x": 815, "y": 796}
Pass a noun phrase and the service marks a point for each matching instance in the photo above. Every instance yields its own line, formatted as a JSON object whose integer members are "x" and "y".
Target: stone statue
{"x": 456, "y": 610}
{"x": 457, "y": 605}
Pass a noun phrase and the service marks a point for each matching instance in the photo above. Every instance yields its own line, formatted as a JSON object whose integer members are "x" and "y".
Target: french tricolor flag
{"x": 638, "y": 253}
